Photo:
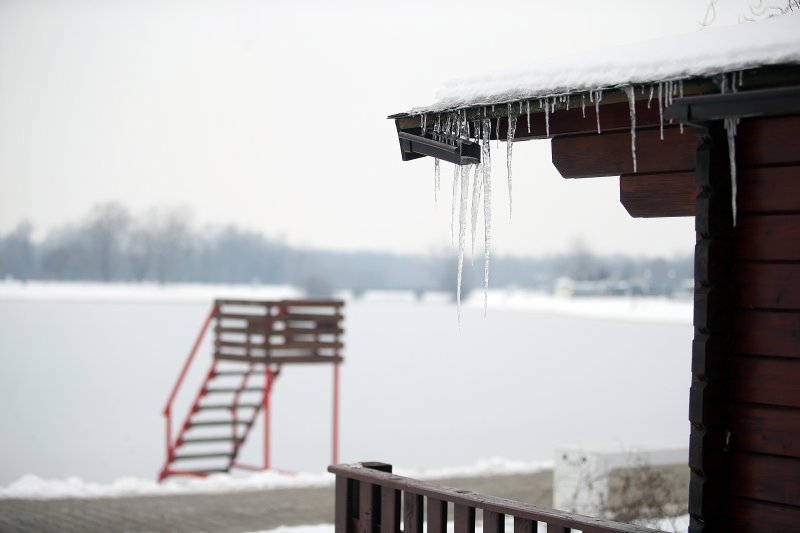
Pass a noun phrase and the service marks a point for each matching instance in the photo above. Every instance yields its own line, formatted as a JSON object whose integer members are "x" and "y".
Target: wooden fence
{"x": 368, "y": 500}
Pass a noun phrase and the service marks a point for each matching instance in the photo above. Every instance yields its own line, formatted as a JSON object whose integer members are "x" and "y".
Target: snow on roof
{"x": 773, "y": 41}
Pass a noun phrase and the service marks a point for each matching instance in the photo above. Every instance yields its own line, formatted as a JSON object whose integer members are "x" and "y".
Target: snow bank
{"x": 771, "y": 41}
{"x": 42, "y": 291}
{"x": 30, "y": 486}
{"x": 625, "y": 308}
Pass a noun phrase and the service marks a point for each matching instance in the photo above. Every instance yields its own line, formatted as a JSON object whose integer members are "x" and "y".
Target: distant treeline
{"x": 109, "y": 244}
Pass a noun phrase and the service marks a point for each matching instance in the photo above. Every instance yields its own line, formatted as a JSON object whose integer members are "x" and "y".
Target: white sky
{"x": 272, "y": 116}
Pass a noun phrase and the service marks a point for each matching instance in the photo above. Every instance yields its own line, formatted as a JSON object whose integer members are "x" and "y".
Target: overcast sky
{"x": 271, "y": 115}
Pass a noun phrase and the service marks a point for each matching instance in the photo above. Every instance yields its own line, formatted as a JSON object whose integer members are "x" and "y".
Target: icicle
{"x": 476, "y": 198}
{"x": 553, "y": 105}
{"x": 453, "y": 205}
{"x": 583, "y": 105}
{"x": 462, "y": 233}
{"x": 547, "y": 120}
{"x": 632, "y": 105}
{"x": 680, "y": 95}
{"x": 528, "y": 103}
{"x": 741, "y": 79}
{"x": 422, "y": 120}
{"x": 512, "y": 128}
{"x": 731, "y": 124}
{"x": 660, "y": 112}
{"x": 436, "y": 182}
{"x": 487, "y": 213}
{"x": 520, "y": 108}
{"x": 591, "y": 96}
{"x": 497, "y": 133}
{"x": 597, "y": 99}
{"x": 651, "y": 97}
{"x": 567, "y": 97}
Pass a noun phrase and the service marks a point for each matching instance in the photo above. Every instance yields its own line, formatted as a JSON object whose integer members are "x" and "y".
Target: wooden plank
{"x": 765, "y": 381}
{"x": 390, "y": 510}
{"x": 659, "y": 195}
{"x": 767, "y": 141}
{"x": 297, "y": 345}
{"x": 252, "y": 329}
{"x": 523, "y": 525}
{"x": 767, "y": 286}
{"x": 464, "y": 519}
{"x": 367, "y": 519}
{"x": 437, "y": 516}
{"x": 768, "y": 238}
{"x": 769, "y": 189}
{"x": 288, "y": 359}
{"x": 342, "y": 505}
{"x": 413, "y": 507}
{"x": 767, "y": 333}
{"x": 761, "y": 517}
{"x": 552, "y": 528}
{"x": 765, "y": 477}
{"x": 494, "y": 522}
{"x": 609, "y": 154}
{"x": 764, "y": 430}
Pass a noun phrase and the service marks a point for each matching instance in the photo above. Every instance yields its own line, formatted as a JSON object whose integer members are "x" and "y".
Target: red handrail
{"x": 188, "y": 363}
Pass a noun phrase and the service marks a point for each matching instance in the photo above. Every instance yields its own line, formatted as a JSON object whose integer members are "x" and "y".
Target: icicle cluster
{"x": 454, "y": 128}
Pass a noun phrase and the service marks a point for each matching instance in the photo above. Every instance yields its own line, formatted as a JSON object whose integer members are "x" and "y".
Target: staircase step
{"x": 228, "y": 406}
{"x": 204, "y": 440}
{"x": 218, "y": 423}
{"x": 234, "y": 389}
{"x": 202, "y": 456}
{"x": 201, "y": 471}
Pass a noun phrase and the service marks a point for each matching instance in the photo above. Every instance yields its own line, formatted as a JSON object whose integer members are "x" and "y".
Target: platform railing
{"x": 368, "y": 500}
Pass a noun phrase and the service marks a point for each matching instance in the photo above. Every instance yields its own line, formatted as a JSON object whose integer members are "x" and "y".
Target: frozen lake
{"x": 83, "y": 384}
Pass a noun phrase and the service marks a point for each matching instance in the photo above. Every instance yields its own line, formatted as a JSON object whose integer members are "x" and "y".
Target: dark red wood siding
{"x": 764, "y": 367}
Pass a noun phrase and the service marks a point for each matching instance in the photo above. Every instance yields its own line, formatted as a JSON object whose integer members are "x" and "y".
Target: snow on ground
{"x": 55, "y": 291}
{"x": 711, "y": 51}
{"x": 30, "y": 486}
{"x": 626, "y": 308}
{"x": 635, "y": 309}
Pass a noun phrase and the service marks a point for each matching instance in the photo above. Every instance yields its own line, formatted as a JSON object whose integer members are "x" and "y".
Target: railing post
{"x": 335, "y": 444}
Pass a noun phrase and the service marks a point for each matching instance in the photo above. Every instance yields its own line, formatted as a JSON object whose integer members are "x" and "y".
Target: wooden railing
{"x": 368, "y": 500}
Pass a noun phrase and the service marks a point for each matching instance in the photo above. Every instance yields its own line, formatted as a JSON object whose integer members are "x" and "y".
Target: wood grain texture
{"x": 761, "y": 517}
{"x": 765, "y": 381}
{"x": 659, "y": 195}
{"x": 769, "y": 189}
{"x": 768, "y": 238}
{"x": 765, "y": 430}
{"x": 765, "y": 478}
{"x": 767, "y": 333}
{"x": 609, "y": 154}
{"x": 767, "y": 141}
{"x": 767, "y": 285}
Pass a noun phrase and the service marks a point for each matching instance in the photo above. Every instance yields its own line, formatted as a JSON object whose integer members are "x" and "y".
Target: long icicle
{"x": 462, "y": 234}
{"x": 661, "y": 110}
{"x": 453, "y": 205}
{"x": 597, "y": 97}
{"x": 731, "y": 124}
{"x": 436, "y": 178}
{"x": 487, "y": 211}
{"x": 512, "y": 128}
{"x": 477, "y": 185}
{"x": 629, "y": 92}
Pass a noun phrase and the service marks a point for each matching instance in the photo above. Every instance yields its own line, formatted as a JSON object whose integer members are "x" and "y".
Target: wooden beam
{"x": 609, "y": 154}
{"x": 659, "y": 195}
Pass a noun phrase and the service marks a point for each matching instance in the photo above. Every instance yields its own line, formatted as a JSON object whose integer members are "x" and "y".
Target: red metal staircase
{"x": 252, "y": 342}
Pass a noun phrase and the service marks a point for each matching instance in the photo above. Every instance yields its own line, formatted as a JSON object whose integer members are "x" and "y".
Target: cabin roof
{"x": 774, "y": 41}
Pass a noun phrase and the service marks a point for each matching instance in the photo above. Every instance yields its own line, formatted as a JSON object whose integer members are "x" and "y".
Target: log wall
{"x": 763, "y": 408}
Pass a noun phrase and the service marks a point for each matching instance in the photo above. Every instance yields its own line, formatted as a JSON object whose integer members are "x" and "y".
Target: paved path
{"x": 224, "y": 513}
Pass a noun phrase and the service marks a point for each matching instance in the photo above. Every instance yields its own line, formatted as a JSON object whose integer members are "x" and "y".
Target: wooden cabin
{"x": 744, "y": 443}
